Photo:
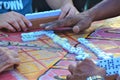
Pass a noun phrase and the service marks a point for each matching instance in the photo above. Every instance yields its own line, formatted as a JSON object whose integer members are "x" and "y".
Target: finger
{"x": 26, "y": 21}
{"x": 15, "y": 24}
{"x": 3, "y": 60}
{"x": 52, "y": 25}
{"x": 99, "y": 70}
{"x": 4, "y": 66}
{"x": 9, "y": 27}
{"x": 69, "y": 21}
{"x": 2, "y": 52}
{"x": 63, "y": 13}
{"x": 76, "y": 29}
{"x": 12, "y": 60}
{"x": 118, "y": 77}
{"x": 70, "y": 13}
{"x": 80, "y": 26}
{"x": 13, "y": 54}
{"x": 46, "y": 24}
{"x": 71, "y": 68}
{"x": 69, "y": 77}
{"x": 23, "y": 25}
{"x": 16, "y": 61}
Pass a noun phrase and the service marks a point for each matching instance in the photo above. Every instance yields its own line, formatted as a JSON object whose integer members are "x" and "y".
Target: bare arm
{"x": 105, "y": 9}
{"x": 82, "y": 21}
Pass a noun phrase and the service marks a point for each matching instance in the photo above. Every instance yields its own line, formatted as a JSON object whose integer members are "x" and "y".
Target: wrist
{"x": 91, "y": 14}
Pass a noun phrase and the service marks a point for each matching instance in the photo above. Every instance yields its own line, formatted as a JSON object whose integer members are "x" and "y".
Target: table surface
{"x": 52, "y": 64}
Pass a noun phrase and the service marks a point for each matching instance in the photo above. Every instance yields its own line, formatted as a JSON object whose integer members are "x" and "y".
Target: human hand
{"x": 85, "y": 69}
{"x": 68, "y": 9}
{"x": 79, "y": 22}
{"x": 14, "y": 22}
{"x": 118, "y": 78}
{"x": 8, "y": 58}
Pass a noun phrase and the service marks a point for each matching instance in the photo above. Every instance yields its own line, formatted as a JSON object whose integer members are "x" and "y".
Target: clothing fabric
{"x": 20, "y": 6}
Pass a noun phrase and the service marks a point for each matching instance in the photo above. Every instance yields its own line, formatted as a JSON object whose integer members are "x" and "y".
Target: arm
{"x": 105, "y": 9}
{"x": 82, "y": 21}
{"x": 66, "y": 6}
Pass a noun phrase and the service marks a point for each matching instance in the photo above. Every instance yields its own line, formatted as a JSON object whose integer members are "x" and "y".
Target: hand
{"x": 79, "y": 22}
{"x": 85, "y": 69}
{"x": 68, "y": 10}
{"x": 118, "y": 78}
{"x": 8, "y": 58}
{"x": 14, "y": 22}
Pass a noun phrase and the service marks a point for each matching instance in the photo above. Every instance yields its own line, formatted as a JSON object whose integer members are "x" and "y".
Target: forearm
{"x": 56, "y": 4}
{"x": 105, "y": 9}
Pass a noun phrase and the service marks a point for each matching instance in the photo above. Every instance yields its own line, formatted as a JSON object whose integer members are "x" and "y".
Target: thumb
{"x": 80, "y": 26}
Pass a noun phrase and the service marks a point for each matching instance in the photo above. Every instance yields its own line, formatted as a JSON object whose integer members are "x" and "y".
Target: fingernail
{"x": 30, "y": 24}
{"x": 76, "y": 29}
{"x": 47, "y": 27}
{"x": 41, "y": 24}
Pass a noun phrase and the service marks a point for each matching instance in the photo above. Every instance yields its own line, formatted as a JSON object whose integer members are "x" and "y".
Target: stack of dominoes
{"x": 112, "y": 66}
{"x": 42, "y": 17}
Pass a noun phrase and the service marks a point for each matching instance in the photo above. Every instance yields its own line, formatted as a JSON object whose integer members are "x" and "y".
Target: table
{"x": 52, "y": 64}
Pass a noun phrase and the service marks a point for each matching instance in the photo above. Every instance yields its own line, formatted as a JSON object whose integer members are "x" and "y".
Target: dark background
{"x": 41, "y": 5}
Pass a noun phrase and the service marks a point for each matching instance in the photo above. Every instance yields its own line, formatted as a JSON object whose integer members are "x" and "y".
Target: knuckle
{"x": 12, "y": 21}
{"x": 23, "y": 25}
{"x": 25, "y": 20}
{"x": 13, "y": 12}
{"x": 19, "y": 20}
{"x": 6, "y": 25}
